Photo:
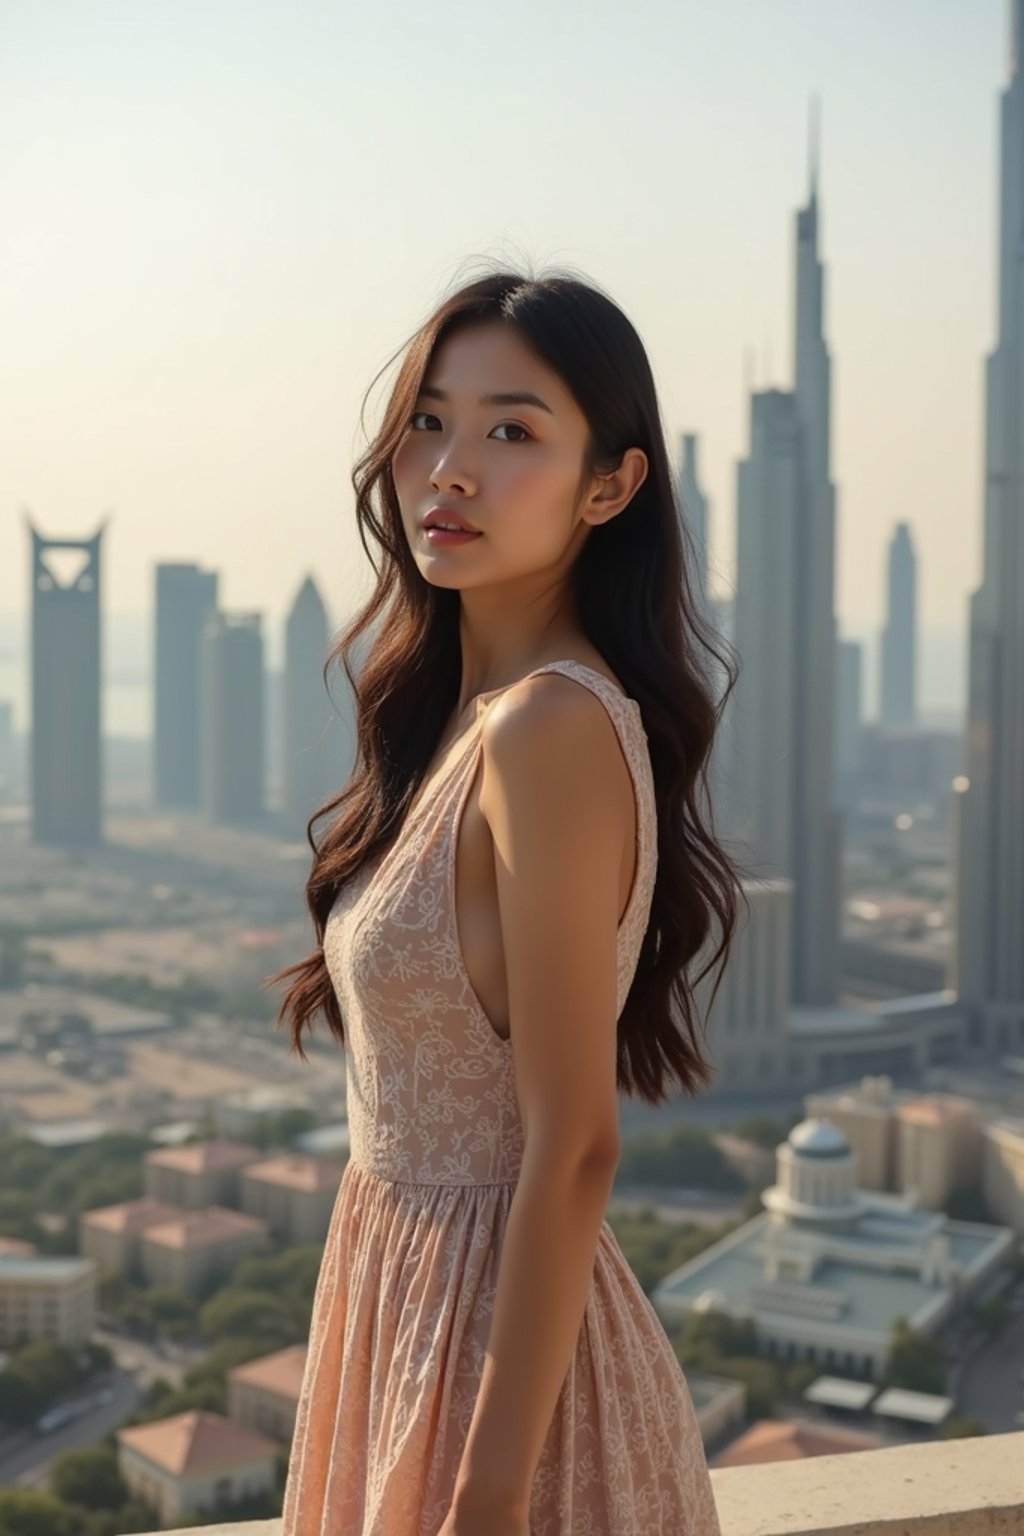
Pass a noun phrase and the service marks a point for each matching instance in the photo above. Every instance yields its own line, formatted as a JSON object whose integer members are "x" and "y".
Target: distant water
{"x": 127, "y": 664}
{"x": 126, "y": 673}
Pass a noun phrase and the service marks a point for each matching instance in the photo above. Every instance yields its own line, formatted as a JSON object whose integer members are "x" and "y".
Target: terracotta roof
{"x": 191, "y": 1444}
{"x": 199, "y": 1229}
{"x": 131, "y": 1215}
{"x": 203, "y": 1156}
{"x": 929, "y": 1111}
{"x": 280, "y": 1372}
{"x": 17, "y": 1247}
{"x": 297, "y": 1172}
{"x": 791, "y": 1440}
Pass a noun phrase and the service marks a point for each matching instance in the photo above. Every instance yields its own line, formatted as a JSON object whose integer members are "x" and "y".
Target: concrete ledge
{"x": 937, "y": 1488}
{"x": 246, "y": 1528}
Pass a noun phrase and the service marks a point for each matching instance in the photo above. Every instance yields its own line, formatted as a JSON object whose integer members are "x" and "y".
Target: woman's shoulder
{"x": 545, "y": 733}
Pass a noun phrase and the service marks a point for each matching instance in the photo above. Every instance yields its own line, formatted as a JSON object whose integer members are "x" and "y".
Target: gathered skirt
{"x": 399, "y": 1330}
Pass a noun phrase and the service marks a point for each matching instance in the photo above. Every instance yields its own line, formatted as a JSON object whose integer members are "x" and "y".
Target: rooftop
{"x": 34, "y": 1270}
{"x": 131, "y": 1215}
{"x": 200, "y": 1229}
{"x": 791, "y": 1440}
{"x": 869, "y": 1276}
{"x": 280, "y": 1372}
{"x": 297, "y": 1172}
{"x": 204, "y": 1156}
{"x": 931, "y": 1110}
{"x": 193, "y": 1443}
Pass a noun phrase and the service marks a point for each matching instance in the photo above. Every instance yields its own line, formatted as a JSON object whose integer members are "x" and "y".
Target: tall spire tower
{"x": 990, "y": 906}
{"x": 777, "y": 774}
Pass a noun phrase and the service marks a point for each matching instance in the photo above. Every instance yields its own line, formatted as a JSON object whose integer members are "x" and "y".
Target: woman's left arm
{"x": 553, "y": 790}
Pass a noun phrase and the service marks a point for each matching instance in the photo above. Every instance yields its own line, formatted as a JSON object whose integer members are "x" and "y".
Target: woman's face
{"x": 511, "y": 468}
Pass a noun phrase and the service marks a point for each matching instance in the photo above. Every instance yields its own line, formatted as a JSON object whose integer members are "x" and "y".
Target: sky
{"x": 222, "y": 217}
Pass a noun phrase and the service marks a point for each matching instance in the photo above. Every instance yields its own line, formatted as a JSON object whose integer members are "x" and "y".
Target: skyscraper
{"x": 185, "y": 597}
{"x": 66, "y": 750}
{"x": 231, "y": 697}
{"x": 897, "y": 690}
{"x": 694, "y": 504}
{"x": 307, "y": 711}
{"x": 849, "y": 719}
{"x": 779, "y": 750}
{"x": 990, "y": 908}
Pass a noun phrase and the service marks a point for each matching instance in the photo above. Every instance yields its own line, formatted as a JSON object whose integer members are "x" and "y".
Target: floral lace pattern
{"x": 404, "y": 1299}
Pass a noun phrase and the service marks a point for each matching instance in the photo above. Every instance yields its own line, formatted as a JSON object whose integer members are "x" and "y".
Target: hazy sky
{"x": 220, "y": 217}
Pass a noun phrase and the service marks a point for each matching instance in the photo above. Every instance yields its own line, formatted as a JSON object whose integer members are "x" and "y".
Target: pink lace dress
{"x": 404, "y": 1299}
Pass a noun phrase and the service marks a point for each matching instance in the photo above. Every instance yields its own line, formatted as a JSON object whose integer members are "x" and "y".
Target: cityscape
{"x": 832, "y": 1235}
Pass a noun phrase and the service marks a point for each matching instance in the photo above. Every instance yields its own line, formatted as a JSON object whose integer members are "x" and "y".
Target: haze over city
{"x": 206, "y": 266}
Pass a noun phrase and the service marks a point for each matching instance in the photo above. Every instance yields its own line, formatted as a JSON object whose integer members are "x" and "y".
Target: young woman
{"x": 506, "y": 902}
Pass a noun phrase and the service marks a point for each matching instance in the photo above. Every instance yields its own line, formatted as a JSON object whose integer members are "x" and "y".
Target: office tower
{"x": 65, "y": 759}
{"x": 898, "y": 678}
{"x": 748, "y": 1023}
{"x": 185, "y": 597}
{"x": 849, "y": 719}
{"x": 779, "y": 750}
{"x": 307, "y": 709}
{"x": 231, "y": 698}
{"x": 6, "y": 738}
{"x": 694, "y": 507}
{"x": 990, "y": 909}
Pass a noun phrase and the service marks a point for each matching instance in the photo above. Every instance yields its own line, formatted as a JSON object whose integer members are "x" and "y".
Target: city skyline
{"x": 203, "y": 373}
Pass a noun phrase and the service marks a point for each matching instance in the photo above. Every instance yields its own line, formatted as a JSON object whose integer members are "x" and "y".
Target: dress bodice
{"x": 430, "y": 1086}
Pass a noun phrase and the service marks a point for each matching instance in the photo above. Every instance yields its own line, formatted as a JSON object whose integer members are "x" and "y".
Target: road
{"x": 25, "y": 1456}
{"x": 991, "y": 1386}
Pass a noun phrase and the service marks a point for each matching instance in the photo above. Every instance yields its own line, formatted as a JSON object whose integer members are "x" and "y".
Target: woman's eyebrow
{"x": 509, "y": 397}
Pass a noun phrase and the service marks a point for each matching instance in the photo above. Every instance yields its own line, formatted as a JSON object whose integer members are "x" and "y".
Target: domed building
{"x": 827, "y": 1268}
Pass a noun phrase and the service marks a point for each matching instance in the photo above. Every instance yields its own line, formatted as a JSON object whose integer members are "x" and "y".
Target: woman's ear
{"x": 617, "y": 488}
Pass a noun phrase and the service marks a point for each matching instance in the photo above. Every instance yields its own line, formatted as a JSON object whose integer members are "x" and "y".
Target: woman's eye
{"x": 509, "y": 425}
{"x": 515, "y": 427}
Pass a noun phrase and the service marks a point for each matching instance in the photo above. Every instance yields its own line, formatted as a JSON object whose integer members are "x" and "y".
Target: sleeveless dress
{"x": 403, "y": 1303}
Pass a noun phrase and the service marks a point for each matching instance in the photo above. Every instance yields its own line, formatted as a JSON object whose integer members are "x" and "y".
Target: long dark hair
{"x": 636, "y": 606}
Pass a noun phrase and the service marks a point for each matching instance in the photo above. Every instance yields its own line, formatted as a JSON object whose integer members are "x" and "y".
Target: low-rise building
{"x": 46, "y": 1298}
{"x": 237, "y": 1112}
{"x": 792, "y": 1440}
{"x": 827, "y": 1269}
{"x": 938, "y": 1148}
{"x": 294, "y": 1195}
{"x": 194, "y": 1461}
{"x": 263, "y": 1394}
{"x": 112, "y": 1234}
{"x": 865, "y": 1112}
{"x": 198, "y": 1174}
{"x": 193, "y": 1252}
{"x": 1002, "y": 1180}
{"x": 719, "y": 1402}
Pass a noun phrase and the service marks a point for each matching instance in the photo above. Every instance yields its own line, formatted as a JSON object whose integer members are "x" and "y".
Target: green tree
{"x": 684, "y": 1157}
{"x": 958, "y": 1427}
{"x": 765, "y": 1130}
{"x": 235, "y": 1313}
{"x": 88, "y": 1477}
{"x": 48, "y": 1369}
{"x": 718, "y": 1333}
{"x": 26, "y": 1512}
{"x": 993, "y": 1315}
{"x": 915, "y": 1362}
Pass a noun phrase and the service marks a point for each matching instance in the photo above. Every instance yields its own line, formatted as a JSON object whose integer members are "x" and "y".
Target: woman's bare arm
{"x": 554, "y": 793}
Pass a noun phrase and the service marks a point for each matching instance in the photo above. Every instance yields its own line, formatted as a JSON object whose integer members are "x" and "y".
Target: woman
{"x": 514, "y": 883}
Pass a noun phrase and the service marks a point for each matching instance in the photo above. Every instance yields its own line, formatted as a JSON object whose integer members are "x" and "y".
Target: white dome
{"x": 818, "y": 1138}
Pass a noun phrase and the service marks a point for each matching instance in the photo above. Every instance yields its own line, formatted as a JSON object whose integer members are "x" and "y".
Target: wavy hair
{"x": 636, "y": 605}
